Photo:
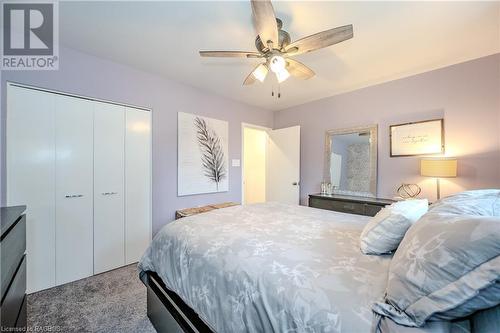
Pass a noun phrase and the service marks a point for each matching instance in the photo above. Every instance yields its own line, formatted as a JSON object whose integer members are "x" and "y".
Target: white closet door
{"x": 31, "y": 177}
{"x": 109, "y": 151}
{"x": 137, "y": 183}
{"x": 74, "y": 189}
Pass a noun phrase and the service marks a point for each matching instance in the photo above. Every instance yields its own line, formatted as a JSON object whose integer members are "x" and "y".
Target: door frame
{"x": 59, "y": 92}
{"x": 243, "y": 126}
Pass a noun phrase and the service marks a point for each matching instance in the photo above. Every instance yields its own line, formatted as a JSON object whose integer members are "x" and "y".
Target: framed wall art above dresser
{"x": 417, "y": 138}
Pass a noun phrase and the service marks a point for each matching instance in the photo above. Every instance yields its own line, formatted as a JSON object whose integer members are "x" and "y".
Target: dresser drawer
{"x": 339, "y": 206}
{"x": 23, "y": 314}
{"x": 372, "y": 210}
{"x": 14, "y": 298}
{"x": 13, "y": 247}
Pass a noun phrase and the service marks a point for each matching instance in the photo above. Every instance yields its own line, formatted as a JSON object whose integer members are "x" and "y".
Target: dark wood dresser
{"x": 13, "y": 269}
{"x": 349, "y": 204}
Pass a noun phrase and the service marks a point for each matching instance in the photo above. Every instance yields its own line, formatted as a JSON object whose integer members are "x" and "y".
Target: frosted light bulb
{"x": 277, "y": 64}
{"x": 282, "y": 75}
{"x": 260, "y": 72}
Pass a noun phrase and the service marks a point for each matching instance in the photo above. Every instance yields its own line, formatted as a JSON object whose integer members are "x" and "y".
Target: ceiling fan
{"x": 275, "y": 47}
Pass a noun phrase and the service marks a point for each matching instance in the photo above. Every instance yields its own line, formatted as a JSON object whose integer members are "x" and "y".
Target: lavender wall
{"x": 467, "y": 95}
{"x": 86, "y": 75}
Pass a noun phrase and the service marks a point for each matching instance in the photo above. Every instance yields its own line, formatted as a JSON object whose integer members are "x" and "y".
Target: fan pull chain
{"x": 278, "y": 95}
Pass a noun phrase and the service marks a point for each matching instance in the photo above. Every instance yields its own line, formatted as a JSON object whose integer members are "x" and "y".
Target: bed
{"x": 266, "y": 268}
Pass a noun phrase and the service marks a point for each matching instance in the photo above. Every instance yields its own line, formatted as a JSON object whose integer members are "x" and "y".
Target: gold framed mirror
{"x": 351, "y": 160}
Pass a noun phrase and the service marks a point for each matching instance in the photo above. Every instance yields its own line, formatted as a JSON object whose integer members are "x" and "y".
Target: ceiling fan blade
{"x": 320, "y": 40}
{"x": 250, "y": 79}
{"x": 265, "y": 21}
{"x": 299, "y": 70}
{"x": 258, "y": 73}
{"x": 230, "y": 54}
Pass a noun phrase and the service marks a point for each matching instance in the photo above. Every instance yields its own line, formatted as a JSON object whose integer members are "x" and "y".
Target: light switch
{"x": 235, "y": 163}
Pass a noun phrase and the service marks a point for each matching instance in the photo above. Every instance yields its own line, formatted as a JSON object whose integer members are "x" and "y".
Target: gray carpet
{"x": 114, "y": 301}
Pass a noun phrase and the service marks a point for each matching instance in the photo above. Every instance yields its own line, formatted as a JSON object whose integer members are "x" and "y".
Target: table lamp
{"x": 438, "y": 168}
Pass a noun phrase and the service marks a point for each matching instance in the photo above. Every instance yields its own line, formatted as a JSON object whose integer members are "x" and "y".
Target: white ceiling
{"x": 391, "y": 40}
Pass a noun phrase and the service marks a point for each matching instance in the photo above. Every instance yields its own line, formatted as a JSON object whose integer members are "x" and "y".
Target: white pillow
{"x": 385, "y": 230}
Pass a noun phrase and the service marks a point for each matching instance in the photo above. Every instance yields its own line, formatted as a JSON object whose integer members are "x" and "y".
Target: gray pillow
{"x": 477, "y": 202}
{"x": 383, "y": 233}
{"x": 448, "y": 264}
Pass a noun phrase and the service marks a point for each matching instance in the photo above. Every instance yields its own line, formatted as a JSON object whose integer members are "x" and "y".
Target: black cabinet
{"x": 349, "y": 204}
{"x": 13, "y": 268}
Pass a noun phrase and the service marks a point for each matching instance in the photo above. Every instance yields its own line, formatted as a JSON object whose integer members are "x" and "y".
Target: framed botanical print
{"x": 202, "y": 155}
{"x": 417, "y": 138}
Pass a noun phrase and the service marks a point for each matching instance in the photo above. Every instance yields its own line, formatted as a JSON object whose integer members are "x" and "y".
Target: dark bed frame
{"x": 170, "y": 314}
{"x": 167, "y": 311}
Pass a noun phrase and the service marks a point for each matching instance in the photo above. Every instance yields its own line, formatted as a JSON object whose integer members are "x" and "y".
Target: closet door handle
{"x": 109, "y": 193}
{"x": 69, "y": 196}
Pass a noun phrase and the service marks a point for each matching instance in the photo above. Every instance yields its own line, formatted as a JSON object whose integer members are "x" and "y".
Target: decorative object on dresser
{"x": 13, "y": 272}
{"x": 407, "y": 191}
{"x": 417, "y": 138}
{"x": 438, "y": 168}
{"x": 327, "y": 188}
{"x": 198, "y": 210}
{"x": 202, "y": 155}
{"x": 351, "y": 160}
{"x": 349, "y": 204}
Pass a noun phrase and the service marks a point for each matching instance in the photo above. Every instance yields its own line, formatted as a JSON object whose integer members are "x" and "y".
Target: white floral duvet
{"x": 271, "y": 268}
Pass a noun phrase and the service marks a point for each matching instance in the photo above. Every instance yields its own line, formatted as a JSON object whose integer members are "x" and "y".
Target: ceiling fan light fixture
{"x": 260, "y": 72}
{"x": 282, "y": 75}
{"x": 277, "y": 64}
{"x": 274, "y": 45}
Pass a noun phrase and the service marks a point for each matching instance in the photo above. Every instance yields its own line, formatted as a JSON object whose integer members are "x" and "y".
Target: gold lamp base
{"x": 438, "y": 186}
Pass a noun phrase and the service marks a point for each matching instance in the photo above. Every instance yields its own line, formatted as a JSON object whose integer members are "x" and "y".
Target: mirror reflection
{"x": 351, "y": 161}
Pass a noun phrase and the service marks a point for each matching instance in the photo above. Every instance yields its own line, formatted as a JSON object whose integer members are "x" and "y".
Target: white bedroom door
{"x": 283, "y": 165}
{"x": 109, "y": 178}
